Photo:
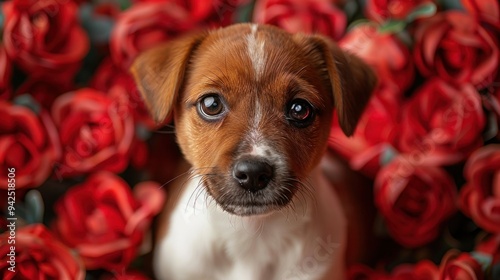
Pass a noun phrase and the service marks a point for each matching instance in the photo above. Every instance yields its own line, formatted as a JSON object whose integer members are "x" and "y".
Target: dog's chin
{"x": 250, "y": 210}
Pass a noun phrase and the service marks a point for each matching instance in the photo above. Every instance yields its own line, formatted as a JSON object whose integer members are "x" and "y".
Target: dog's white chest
{"x": 203, "y": 242}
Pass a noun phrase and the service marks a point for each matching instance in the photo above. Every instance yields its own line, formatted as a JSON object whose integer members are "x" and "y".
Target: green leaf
{"x": 495, "y": 271}
{"x": 392, "y": 26}
{"x": 124, "y": 4}
{"x": 244, "y": 13}
{"x": 98, "y": 28}
{"x": 142, "y": 132}
{"x": 34, "y": 207}
{"x": 2, "y": 19}
{"x": 359, "y": 22}
{"x": 26, "y": 100}
{"x": 421, "y": 11}
{"x": 388, "y": 155}
{"x": 483, "y": 259}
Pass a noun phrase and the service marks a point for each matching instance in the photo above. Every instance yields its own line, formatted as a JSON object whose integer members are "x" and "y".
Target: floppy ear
{"x": 347, "y": 76}
{"x": 159, "y": 73}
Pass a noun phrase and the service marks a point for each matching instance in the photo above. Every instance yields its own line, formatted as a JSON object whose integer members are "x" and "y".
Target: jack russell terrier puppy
{"x": 252, "y": 106}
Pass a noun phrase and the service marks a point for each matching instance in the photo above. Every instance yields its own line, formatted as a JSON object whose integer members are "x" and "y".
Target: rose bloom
{"x": 104, "y": 221}
{"x": 389, "y": 57}
{"x": 128, "y": 275}
{"x": 314, "y": 16}
{"x": 456, "y": 265}
{"x": 43, "y": 91}
{"x": 414, "y": 200}
{"x": 143, "y": 26}
{"x": 490, "y": 246}
{"x": 376, "y": 132}
{"x": 382, "y": 10}
{"x": 423, "y": 270}
{"x": 95, "y": 131}
{"x": 362, "y": 272}
{"x": 442, "y": 124}
{"x": 491, "y": 102}
{"x": 28, "y": 143}
{"x": 214, "y": 12}
{"x": 120, "y": 86}
{"x": 38, "y": 255}
{"x": 44, "y": 37}
{"x": 480, "y": 197}
{"x": 485, "y": 10}
{"x": 455, "y": 47}
{"x": 5, "y": 74}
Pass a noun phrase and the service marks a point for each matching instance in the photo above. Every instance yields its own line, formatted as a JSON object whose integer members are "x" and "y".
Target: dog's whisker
{"x": 164, "y": 132}
{"x": 176, "y": 177}
{"x": 305, "y": 194}
{"x": 194, "y": 173}
{"x": 170, "y": 129}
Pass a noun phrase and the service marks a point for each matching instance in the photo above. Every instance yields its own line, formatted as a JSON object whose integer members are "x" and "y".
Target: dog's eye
{"x": 300, "y": 113}
{"x": 211, "y": 107}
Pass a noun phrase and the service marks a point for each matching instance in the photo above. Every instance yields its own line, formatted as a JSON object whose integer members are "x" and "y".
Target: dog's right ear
{"x": 159, "y": 73}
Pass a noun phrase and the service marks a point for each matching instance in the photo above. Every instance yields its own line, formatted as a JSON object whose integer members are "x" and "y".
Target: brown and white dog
{"x": 252, "y": 107}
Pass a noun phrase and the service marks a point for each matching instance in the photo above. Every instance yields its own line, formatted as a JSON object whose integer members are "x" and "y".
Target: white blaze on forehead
{"x": 258, "y": 115}
{"x": 255, "y": 136}
{"x": 255, "y": 50}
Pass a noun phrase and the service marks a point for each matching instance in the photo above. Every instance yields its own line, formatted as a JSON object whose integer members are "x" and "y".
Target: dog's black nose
{"x": 253, "y": 174}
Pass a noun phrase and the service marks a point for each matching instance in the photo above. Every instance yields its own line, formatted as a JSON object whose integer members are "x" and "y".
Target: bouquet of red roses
{"x": 79, "y": 188}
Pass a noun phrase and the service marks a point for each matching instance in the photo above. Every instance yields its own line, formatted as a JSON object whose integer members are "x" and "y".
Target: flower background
{"x": 89, "y": 162}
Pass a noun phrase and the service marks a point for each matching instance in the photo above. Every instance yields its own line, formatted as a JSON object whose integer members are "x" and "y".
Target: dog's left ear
{"x": 347, "y": 76}
{"x": 159, "y": 73}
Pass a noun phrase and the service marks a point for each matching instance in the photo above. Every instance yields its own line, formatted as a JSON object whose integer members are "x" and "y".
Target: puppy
{"x": 252, "y": 107}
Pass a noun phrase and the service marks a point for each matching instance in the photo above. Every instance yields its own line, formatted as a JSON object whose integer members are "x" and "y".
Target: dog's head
{"x": 253, "y": 106}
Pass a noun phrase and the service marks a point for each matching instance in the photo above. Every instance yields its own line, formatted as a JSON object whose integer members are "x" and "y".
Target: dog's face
{"x": 252, "y": 107}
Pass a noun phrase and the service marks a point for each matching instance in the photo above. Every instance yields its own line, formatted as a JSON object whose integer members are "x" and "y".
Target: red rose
{"x": 214, "y": 12}
{"x": 423, "y": 270}
{"x": 38, "y": 255}
{"x": 455, "y": 47}
{"x": 44, "y": 37}
{"x": 5, "y": 74}
{"x": 28, "y": 143}
{"x": 480, "y": 197}
{"x": 362, "y": 272}
{"x": 78, "y": 1}
{"x": 490, "y": 246}
{"x": 375, "y": 133}
{"x": 315, "y": 16}
{"x": 143, "y": 26}
{"x": 414, "y": 200}
{"x": 382, "y": 10}
{"x": 103, "y": 221}
{"x": 486, "y": 10}
{"x": 95, "y": 131}
{"x": 384, "y": 52}
{"x": 128, "y": 275}
{"x": 456, "y": 265}
{"x": 106, "y": 10}
{"x": 121, "y": 87}
{"x": 43, "y": 91}
{"x": 493, "y": 104}
{"x": 442, "y": 124}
